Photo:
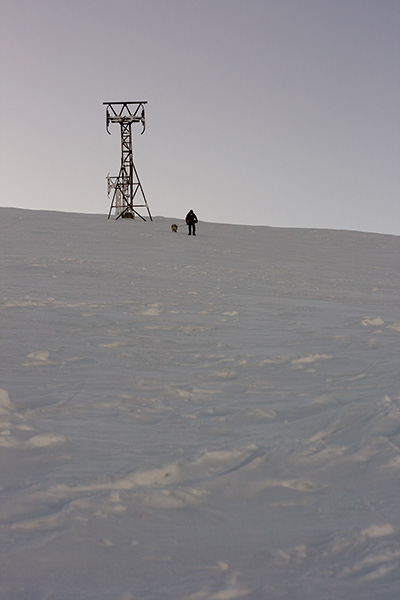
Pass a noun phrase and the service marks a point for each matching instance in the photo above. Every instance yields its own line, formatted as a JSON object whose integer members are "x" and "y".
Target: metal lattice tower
{"x": 126, "y": 191}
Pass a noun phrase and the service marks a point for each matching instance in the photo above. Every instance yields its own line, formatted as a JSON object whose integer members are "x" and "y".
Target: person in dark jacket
{"x": 191, "y": 221}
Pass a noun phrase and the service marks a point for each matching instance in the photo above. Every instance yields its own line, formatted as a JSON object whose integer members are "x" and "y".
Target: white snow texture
{"x": 204, "y": 418}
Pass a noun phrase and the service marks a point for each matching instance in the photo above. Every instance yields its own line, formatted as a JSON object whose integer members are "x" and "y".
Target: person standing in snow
{"x": 191, "y": 221}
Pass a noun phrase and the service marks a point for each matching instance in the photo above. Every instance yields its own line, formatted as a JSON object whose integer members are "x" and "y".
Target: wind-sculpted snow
{"x": 204, "y": 418}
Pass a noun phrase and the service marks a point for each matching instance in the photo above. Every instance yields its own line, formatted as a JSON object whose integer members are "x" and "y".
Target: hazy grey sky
{"x": 271, "y": 112}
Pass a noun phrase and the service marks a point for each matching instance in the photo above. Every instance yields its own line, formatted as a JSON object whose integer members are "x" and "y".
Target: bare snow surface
{"x": 205, "y": 418}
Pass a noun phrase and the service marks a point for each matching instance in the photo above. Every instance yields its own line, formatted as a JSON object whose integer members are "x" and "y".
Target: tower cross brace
{"x": 127, "y": 194}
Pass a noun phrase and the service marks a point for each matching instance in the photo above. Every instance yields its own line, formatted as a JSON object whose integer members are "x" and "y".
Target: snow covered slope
{"x": 204, "y": 418}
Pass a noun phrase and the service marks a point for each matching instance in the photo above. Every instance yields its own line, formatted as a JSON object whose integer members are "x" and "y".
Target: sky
{"x": 261, "y": 112}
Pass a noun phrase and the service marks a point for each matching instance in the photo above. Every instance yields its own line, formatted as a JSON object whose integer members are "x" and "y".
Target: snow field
{"x": 206, "y": 418}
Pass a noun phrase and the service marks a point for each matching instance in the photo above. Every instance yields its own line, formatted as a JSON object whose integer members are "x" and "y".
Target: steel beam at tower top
{"x": 125, "y": 189}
